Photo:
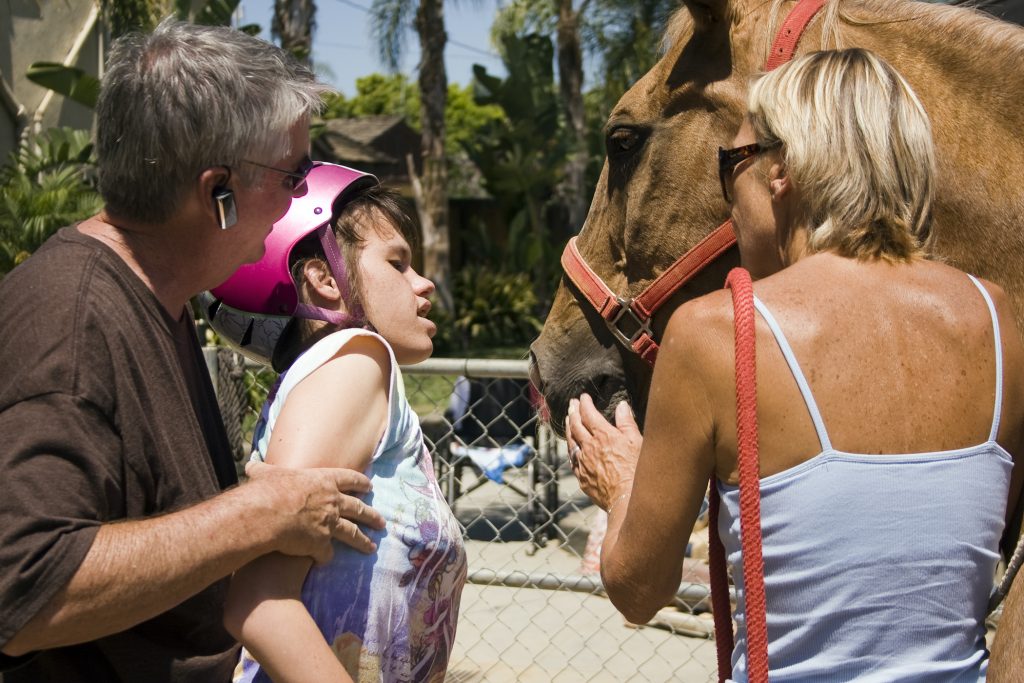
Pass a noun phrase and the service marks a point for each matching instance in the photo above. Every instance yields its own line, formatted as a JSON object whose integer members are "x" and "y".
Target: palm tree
{"x": 390, "y": 19}
{"x": 622, "y": 35}
{"x": 570, "y": 87}
{"x": 565, "y": 22}
{"x": 293, "y": 23}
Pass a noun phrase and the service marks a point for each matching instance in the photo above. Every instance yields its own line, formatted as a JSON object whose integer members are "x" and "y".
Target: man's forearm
{"x": 136, "y": 570}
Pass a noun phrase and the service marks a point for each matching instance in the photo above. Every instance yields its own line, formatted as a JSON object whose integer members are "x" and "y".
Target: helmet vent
{"x": 247, "y": 337}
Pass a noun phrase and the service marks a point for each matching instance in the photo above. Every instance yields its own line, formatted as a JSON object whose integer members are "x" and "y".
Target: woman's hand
{"x": 603, "y": 456}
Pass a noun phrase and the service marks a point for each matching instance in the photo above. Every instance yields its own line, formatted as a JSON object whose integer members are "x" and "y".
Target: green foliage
{"x": 69, "y": 81}
{"x": 621, "y": 38}
{"x": 465, "y": 118}
{"x": 491, "y": 309}
{"x": 378, "y": 94}
{"x": 125, "y": 16}
{"x": 625, "y": 38}
{"x": 211, "y": 13}
{"x": 521, "y": 156}
{"x": 46, "y": 185}
{"x": 390, "y": 21}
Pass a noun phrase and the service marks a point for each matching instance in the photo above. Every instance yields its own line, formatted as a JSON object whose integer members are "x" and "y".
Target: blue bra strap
{"x": 999, "y": 358}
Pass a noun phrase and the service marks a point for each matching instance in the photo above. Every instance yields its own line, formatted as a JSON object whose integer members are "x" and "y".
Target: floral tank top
{"x": 389, "y": 616}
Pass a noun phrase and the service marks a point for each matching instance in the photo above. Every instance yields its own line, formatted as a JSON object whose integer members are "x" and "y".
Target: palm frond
{"x": 390, "y": 23}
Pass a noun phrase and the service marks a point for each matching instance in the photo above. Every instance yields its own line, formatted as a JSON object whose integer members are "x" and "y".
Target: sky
{"x": 344, "y": 50}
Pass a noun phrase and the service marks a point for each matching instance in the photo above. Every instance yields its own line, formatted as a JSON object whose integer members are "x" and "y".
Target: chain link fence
{"x": 533, "y": 608}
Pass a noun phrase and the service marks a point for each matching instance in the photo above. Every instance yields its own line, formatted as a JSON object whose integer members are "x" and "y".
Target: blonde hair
{"x": 857, "y": 144}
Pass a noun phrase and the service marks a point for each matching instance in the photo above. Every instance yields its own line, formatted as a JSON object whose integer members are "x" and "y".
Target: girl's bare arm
{"x": 335, "y": 415}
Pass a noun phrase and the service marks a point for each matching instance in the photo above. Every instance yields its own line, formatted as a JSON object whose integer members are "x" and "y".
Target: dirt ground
{"x": 554, "y": 636}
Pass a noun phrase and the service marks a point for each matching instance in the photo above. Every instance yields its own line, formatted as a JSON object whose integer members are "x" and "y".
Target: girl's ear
{"x": 320, "y": 281}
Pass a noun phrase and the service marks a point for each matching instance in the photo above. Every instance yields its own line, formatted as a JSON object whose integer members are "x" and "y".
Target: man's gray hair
{"x": 186, "y": 98}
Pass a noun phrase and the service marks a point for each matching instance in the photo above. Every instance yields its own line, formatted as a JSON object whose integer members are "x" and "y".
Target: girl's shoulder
{"x": 355, "y": 343}
{"x": 352, "y": 340}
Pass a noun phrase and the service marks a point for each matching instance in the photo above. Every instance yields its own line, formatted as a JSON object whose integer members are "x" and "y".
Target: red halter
{"x": 629, "y": 318}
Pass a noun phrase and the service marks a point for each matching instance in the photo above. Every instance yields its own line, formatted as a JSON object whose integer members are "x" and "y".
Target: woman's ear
{"x": 779, "y": 182}
{"x": 321, "y": 282}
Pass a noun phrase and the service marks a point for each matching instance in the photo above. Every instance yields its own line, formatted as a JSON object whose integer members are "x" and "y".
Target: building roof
{"x": 365, "y": 129}
{"x": 344, "y": 148}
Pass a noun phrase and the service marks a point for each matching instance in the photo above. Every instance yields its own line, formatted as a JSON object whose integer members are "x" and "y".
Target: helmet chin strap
{"x": 337, "y": 266}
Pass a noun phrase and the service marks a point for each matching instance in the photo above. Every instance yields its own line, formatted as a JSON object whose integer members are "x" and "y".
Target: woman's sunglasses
{"x": 728, "y": 159}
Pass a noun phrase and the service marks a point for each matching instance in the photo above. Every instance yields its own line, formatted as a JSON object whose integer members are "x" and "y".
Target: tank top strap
{"x": 798, "y": 375}
{"x": 997, "y": 410}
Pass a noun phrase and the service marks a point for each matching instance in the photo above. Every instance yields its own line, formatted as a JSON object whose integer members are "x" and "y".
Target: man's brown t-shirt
{"x": 106, "y": 413}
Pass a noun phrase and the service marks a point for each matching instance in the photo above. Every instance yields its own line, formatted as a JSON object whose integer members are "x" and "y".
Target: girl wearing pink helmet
{"x": 337, "y": 306}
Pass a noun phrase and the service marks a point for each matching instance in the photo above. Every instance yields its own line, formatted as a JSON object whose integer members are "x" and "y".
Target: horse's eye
{"x": 622, "y": 139}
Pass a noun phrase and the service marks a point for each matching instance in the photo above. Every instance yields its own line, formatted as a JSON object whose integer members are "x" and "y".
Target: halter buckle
{"x": 641, "y": 326}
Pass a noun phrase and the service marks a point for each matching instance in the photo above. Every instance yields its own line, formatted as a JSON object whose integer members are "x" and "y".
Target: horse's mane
{"x": 971, "y": 30}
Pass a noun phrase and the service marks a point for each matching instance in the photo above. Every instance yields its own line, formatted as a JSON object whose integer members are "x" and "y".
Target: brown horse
{"x": 658, "y": 194}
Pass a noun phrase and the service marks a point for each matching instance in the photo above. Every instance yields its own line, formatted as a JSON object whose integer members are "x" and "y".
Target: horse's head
{"x": 657, "y": 197}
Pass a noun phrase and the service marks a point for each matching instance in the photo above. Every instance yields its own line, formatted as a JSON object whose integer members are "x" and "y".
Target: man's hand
{"x": 312, "y": 507}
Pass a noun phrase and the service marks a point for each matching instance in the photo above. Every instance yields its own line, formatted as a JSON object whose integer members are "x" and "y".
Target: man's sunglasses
{"x": 728, "y": 159}
{"x": 297, "y": 177}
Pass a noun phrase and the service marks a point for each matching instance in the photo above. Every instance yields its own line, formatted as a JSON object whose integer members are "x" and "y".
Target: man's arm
{"x": 136, "y": 570}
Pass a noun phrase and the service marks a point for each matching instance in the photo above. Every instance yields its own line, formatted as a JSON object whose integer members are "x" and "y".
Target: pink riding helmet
{"x": 253, "y": 307}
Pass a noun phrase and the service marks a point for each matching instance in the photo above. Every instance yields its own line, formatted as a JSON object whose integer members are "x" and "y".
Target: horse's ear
{"x": 706, "y": 12}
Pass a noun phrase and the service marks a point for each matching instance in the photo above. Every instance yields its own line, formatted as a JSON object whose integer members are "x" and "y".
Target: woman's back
{"x": 881, "y": 522}
{"x": 899, "y": 358}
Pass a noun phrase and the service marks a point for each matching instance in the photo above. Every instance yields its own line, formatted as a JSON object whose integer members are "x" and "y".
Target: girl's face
{"x": 394, "y": 295}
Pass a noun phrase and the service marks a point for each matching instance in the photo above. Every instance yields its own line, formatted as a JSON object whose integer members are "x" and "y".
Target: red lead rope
{"x": 750, "y": 502}
{"x": 746, "y": 427}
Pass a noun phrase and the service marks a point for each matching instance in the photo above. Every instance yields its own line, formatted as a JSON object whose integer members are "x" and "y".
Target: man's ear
{"x": 212, "y": 181}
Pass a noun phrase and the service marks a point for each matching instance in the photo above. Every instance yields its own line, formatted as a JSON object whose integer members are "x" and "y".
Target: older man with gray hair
{"x": 119, "y": 518}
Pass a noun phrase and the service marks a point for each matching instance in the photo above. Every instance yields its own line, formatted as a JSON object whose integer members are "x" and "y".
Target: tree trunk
{"x": 293, "y": 23}
{"x": 570, "y": 85}
{"x": 433, "y": 82}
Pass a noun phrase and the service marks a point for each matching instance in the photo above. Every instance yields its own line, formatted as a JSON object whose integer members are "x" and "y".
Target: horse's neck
{"x": 956, "y": 60}
{"x": 967, "y": 71}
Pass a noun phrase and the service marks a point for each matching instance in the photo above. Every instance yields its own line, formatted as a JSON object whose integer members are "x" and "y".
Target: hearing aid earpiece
{"x": 224, "y": 207}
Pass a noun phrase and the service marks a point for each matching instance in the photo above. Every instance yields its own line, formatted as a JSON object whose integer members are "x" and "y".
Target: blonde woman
{"x": 890, "y": 399}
